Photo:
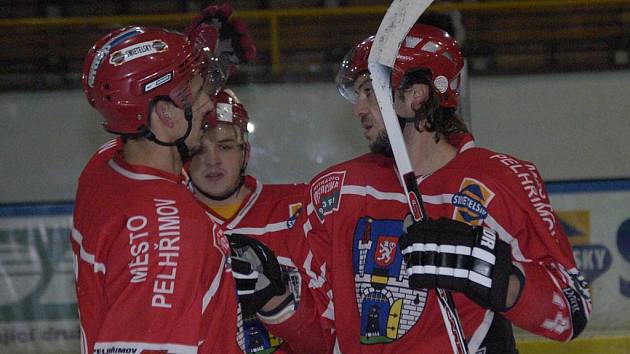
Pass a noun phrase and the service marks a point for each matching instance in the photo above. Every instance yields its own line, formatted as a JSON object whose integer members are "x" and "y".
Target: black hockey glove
{"x": 257, "y": 273}
{"x": 228, "y": 40}
{"x": 452, "y": 255}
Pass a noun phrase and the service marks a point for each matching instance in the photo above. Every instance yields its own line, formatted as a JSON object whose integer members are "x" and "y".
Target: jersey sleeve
{"x": 152, "y": 265}
{"x": 308, "y": 330}
{"x": 323, "y": 216}
{"x": 303, "y": 331}
{"x": 555, "y": 300}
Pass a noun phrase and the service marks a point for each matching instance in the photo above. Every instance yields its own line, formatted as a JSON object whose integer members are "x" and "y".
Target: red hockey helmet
{"x": 129, "y": 67}
{"x": 424, "y": 46}
{"x": 229, "y": 110}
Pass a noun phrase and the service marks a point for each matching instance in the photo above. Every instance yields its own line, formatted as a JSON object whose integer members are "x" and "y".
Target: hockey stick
{"x": 400, "y": 17}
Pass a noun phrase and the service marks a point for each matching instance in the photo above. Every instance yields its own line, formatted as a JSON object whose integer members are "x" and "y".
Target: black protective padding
{"x": 450, "y": 232}
{"x": 500, "y": 338}
{"x": 495, "y": 297}
{"x": 251, "y": 303}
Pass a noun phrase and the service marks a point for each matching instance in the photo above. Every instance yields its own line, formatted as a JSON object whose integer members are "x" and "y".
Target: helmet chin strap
{"x": 182, "y": 148}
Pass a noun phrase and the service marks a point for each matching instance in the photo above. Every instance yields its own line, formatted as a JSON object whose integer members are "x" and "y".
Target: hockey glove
{"x": 228, "y": 41}
{"x": 257, "y": 273}
{"x": 452, "y": 255}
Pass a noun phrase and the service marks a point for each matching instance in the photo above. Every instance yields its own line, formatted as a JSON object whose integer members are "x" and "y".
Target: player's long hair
{"x": 441, "y": 120}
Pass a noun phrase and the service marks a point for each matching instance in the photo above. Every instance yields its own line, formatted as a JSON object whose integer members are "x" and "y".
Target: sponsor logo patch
{"x": 326, "y": 193}
{"x": 158, "y": 82}
{"x": 294, "y": 213}
{"x": 136, "y": 51}
{"x": 471, "y": 202}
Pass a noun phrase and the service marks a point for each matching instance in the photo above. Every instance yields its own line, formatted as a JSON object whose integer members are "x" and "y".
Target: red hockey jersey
{"x": 149, "y": 269}
{"x": 355, "y": 216}
{"x": 269, "y": 214}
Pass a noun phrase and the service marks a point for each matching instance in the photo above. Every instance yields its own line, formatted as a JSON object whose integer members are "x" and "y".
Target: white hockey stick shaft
{"x": 400, "y": 17}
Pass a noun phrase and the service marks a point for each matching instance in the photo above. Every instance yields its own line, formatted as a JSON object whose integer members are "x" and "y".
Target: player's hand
{"x": 257, "y": 273}
{"x": 227, "y": 39}
{"x": 452, "y": 255}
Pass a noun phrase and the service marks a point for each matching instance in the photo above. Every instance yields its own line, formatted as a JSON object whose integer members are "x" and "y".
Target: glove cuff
{"x": 280, "y": 313}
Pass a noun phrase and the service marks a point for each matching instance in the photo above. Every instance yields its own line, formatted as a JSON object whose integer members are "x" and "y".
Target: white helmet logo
{"x": 224, "y": 112}
{"x": 441, "y": 83}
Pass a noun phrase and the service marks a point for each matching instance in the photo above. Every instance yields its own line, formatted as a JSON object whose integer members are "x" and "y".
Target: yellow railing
{"x": 272, "y": 17}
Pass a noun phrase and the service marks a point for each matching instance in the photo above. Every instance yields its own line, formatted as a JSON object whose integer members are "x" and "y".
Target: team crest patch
{"x": 385, "y": 250}
{"x": 388, "y": 308}
{"x": 326, "y": 193}
{"x": 471, "y": 202}
{"x": 294, "y": 213}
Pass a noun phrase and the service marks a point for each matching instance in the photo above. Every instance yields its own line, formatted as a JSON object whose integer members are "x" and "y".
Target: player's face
{"x": 216, "y": 169}
{"x": 201, "y": 106}
{"x": 367, "y": 110}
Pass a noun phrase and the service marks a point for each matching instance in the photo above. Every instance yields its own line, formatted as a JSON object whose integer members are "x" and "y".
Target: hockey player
{"x": 493, "y": 238}
{"x": 247, "y": 210}
{"x": 149, "y": 267}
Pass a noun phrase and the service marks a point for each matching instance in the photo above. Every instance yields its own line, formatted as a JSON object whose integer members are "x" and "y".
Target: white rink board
{"x": 572, "y": 126}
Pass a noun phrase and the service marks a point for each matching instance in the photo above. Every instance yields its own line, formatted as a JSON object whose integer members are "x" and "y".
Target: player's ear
{"x": 163, "y": 113}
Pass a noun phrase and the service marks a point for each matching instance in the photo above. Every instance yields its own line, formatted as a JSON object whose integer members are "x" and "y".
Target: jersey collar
{"x": 141, "y": 173}
{"x": 253, "y": 185}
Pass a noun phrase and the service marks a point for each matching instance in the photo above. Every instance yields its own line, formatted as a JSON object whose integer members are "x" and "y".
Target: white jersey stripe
{"x": 214, "y": 218}
{"x": 85, "y": 255}
{"x": 108, "y": 145}
{"x": 307, "y": 227}
{"x": 505, "y": 236}
{"x": 373, "y": 192}
{"x": 132, "y": 175}
{"x": 481, "y": 332}
{"x": 437, "y": 199}
{"x": 111, "y": 347}
{"x": 250, "y": 203}
{"x": 258, "y": 231}
{"x": 468, "y": 145}
{"x": 217, "y": 278}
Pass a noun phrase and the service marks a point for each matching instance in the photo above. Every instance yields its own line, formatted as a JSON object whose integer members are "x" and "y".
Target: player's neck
{"x": 146, "y": 153}
{"x": 425, "y": 154}
{"x": 236, "y": 198}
